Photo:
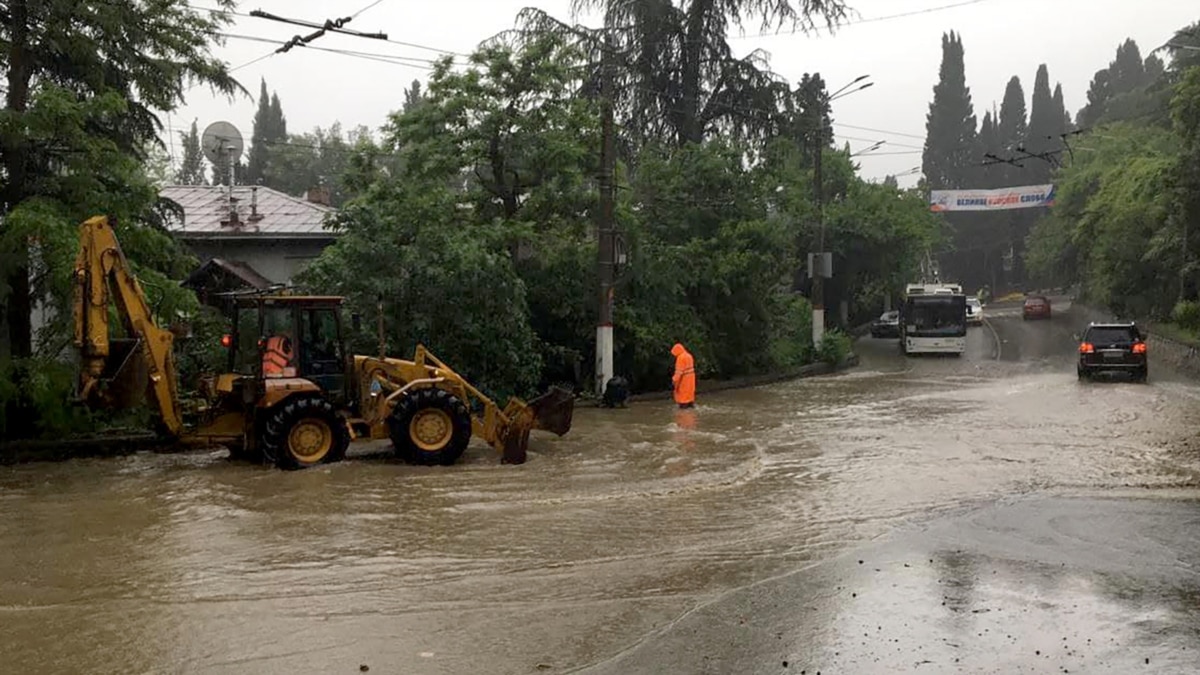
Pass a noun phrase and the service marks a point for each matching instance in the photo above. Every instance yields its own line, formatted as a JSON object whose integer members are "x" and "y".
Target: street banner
{"x": 1001, "y": 199}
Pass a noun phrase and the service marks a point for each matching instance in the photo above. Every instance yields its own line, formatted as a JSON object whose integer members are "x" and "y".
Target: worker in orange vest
{"x": 684, "y": 377}
{"x": 277, "y": 358}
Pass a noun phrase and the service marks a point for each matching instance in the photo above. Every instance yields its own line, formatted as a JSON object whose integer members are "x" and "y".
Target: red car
{"x": 1036, "y": 307}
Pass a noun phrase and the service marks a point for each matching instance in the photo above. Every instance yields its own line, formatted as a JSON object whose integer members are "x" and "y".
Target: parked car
{"x": 887, "y": 325}
{"x": 1036, "y": 307}
{"x": 1113, "y": 347}
{"x": 974, "y": 311}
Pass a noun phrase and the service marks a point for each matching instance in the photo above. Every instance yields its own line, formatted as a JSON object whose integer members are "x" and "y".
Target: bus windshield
{"x": 933, "y": 316}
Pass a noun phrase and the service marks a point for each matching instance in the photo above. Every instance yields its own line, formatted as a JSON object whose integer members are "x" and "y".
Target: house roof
{"x": 231, "y": 270}
{"x": 207, "y": 213}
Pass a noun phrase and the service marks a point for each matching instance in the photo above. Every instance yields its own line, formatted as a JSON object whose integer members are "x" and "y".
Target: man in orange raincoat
{"x": 684, "y": 377}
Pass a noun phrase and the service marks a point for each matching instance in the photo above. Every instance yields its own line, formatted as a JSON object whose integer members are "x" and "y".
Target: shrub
{"x": 834, "y": 347}
{"x": 1187, "y": 314}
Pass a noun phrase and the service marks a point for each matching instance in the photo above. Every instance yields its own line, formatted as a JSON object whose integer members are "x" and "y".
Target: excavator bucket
{"x": 553, "y": 411}
{"x": 121, "y": 383}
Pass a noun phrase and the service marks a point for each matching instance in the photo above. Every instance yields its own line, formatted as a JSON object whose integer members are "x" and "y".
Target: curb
{"x": 712, "y": 386}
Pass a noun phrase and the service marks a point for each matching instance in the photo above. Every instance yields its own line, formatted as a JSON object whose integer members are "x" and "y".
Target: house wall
{"x": 279, "y": 260}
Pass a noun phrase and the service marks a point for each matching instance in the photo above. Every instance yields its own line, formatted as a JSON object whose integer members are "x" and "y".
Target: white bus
{"x": 934, "y": 319}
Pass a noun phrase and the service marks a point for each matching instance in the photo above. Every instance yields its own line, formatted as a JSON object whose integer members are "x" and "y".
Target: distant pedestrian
{"x": 684, "y": 377}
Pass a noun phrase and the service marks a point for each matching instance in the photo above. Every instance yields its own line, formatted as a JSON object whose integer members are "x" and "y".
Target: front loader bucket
{"x": 553, "y": 410}
{"x": 516, "y": 443}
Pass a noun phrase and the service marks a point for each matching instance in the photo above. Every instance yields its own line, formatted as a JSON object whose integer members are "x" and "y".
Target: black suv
{"x": 1113, "y": 347}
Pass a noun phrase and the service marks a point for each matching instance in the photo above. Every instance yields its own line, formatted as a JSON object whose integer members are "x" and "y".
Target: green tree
{"x": 270, "y": 130}
{"x": 1109, "y": 94}
{"x": 445, "y": 279}
{"x": 1045, "y": 127}
{"x": 1066, "y": 125}
{"x": 74, "y": 132}
{"x": 679, "y": 80}
{"x": 413, "y": 97}
{"x": 1107, "y": 229}
{"x": 1185, "y": 114}
{"x": 321, "y": 157}
{"x": 950, "y": 132}
{"x": 191, "y": 166}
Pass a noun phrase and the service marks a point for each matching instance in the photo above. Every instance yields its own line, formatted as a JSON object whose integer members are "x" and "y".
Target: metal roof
{"x": 207, "y": 213}
{"x": 238, "y": 270}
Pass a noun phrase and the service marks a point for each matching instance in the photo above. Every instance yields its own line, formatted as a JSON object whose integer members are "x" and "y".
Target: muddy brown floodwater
{"x": 636, "y": 542}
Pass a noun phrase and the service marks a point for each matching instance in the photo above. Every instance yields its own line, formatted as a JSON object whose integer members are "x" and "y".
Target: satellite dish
{"x": 220, "y": 141}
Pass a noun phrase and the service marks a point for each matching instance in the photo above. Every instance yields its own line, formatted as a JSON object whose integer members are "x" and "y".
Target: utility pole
{"x": 605, "y": 262}
{"x": 818, "y": 265}
{"x": 819, "y": 269}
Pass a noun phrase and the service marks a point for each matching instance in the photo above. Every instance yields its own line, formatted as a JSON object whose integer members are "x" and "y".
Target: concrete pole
{"x": 818, "y": 287}
{"x": 605, "y": 249}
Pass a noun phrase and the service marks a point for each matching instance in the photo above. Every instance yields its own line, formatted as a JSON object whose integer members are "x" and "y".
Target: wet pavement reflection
{"x": 723, "y": 538}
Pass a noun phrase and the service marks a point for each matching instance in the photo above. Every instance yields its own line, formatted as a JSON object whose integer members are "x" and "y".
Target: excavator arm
{"x": 102, "y": 274}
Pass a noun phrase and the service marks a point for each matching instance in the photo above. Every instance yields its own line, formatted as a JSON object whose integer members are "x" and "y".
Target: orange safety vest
{"x": 277, "y": 357}
{"x": 684, "y": 378}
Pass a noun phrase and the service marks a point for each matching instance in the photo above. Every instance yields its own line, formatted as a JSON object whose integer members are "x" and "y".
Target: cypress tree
{"x": 1045, "y": 122}
{"x": 1128, "y": 71}
{"x": 1011, "y": 130}
{"x": 1061, "y": 107}
{"x": 1013, "y": 127}
{"x": 191, "y": 168}
{"x": 950, "y": 125}
{"x": 270, "y": 129}
{"x": 413, "y": 97}
{"x": 988, "y": 143}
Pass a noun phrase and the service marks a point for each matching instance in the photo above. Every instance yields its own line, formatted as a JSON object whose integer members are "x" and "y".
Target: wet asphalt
{"x": 979, "y": 514}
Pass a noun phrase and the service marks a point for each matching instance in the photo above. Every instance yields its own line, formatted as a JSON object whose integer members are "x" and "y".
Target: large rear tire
{"x": 429, "y": 427}
{"x": 304, "y": 432}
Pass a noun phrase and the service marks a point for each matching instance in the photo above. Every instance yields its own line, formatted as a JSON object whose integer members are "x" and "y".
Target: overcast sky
{"x": 1001, "y": 38}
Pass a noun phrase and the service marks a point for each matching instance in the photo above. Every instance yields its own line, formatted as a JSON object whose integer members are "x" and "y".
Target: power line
{"x": 374, "y": 56}
{"x": 247, "y": 64}
{"x": 881, "y": 131}
{"x": 373, "y": 4}
{"x": 402, "y": 43}
{"x": 872, "y": 140}
{"x": 875, "y": 19}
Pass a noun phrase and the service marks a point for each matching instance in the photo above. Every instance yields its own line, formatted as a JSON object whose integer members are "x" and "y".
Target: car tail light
{"x": 1086, "y": 348}
{"x": 1139, "y": 348}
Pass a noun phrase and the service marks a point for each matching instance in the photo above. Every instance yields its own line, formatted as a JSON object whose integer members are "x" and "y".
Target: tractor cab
{"x": 274, "y": 338}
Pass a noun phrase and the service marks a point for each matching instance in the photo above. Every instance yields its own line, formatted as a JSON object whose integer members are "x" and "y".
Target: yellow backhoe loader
{"x": 291, "y": 395}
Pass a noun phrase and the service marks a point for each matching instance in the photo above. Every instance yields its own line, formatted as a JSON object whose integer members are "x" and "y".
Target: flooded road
{"x": 722, "y": 539}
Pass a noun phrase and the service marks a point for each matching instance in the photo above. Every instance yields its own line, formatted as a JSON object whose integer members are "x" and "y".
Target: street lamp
{"x": 818, "y": 269}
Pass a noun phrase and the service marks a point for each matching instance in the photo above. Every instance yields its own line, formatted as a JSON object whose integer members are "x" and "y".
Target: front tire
{"x": 430, "y": 426}
{"x": 304, "y": 432}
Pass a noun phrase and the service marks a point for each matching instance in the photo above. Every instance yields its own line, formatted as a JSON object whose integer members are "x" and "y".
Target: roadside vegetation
{"x": 1126, "y": 225}
{"x": 472, "y": 209}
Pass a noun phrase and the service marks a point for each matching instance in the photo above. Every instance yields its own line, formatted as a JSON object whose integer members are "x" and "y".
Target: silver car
{"x": 974, "y": 311}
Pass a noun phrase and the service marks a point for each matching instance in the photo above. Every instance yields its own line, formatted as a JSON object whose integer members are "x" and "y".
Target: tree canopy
{"x": 83, "y": 84}
{"x": 1123, "y": 225}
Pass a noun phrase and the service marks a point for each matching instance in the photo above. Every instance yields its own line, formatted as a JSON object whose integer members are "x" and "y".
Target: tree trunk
{"x": 18, "y": 306}
{"x": 688, "y": 111}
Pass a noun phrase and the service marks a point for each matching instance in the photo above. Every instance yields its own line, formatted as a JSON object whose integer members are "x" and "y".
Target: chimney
{"x": 232, "y": 220}
{"x": 255, "y": 216}
{"x": 320, "y": 195}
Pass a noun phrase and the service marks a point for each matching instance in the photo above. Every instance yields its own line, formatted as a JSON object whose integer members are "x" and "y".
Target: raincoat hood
{"x": 677, "y": 349}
